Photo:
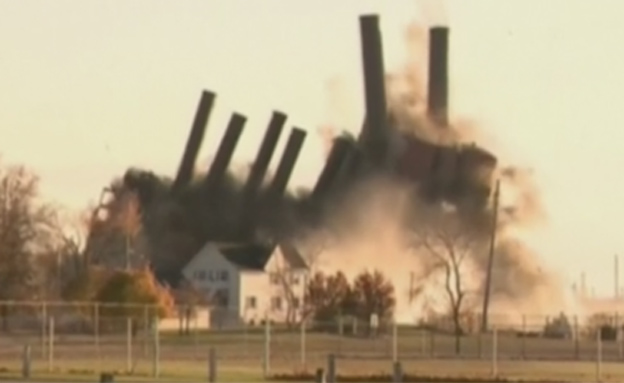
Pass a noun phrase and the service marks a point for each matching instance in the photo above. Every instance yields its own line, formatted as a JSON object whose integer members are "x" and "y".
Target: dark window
{"x": 224, "y": 275}
{"x": 200, "y": 275}
{"x": 251, "y": 302}
{"x": 276, "y": 303}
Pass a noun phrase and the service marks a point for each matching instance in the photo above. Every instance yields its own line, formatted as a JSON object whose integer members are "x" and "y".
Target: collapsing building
{"x": 456, "y": 172}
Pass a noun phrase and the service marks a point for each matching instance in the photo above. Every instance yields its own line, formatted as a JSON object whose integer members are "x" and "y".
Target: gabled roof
{"x": 253, "y": 256}
{"x": 247, "y": 256}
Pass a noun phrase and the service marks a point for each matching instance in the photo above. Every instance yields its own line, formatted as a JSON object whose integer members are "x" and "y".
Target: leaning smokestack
{"x": 336, "y": 162}
{"x": 374, "y": 132}
{"x": 265, "y": 152}
{"x": 437, "y": 92}
{"x": 185, "y": 172}
{"x": 288, "y": 161}
{"x": 222, "y": 159}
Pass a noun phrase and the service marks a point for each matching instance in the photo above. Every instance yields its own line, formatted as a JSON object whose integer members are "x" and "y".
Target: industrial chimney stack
{"x": 437, "y": 92}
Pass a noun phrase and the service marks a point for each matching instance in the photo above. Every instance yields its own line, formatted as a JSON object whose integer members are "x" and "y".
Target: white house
{"x": 249, "y": 282}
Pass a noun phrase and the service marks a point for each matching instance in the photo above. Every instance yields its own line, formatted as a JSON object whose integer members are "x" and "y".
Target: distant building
{"x": 249, "y": 282}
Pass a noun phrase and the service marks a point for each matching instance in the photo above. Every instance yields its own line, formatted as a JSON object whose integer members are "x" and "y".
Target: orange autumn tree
{"x": 133, "y": 294}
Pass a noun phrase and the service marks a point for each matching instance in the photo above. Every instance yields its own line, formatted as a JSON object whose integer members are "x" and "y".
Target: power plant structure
{"x": 460, "y": 173}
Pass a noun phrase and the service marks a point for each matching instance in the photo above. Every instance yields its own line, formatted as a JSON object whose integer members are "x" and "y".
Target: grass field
{"x": 231, "y": 372}
{"x": 241, "y": 354}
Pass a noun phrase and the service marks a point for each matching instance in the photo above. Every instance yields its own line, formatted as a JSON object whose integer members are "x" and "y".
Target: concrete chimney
{"x": 193, "y": 144}
{"x": 374, "y": 132}
{"x": 222, "y": 159}
{"x": 288, "y": 161}
{"x": 437, "y": 91}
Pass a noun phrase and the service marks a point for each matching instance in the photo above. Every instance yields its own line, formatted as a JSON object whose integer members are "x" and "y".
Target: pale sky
{"x": 89, "y": 88}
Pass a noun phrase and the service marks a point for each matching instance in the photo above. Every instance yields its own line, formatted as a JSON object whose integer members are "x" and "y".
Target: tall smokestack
{"x": 185, "y": 171}
{"x": 222, "y": 159}
{"x": 437, "y": 92}
{"x": 374, "y": 132}
{"x": 263, "y": 158}
{"x": 335, "y": 162}
{"x": 288, "y": 161}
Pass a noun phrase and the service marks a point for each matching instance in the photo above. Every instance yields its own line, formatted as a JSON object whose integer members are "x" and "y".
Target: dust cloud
{"x": 369, "y": 232}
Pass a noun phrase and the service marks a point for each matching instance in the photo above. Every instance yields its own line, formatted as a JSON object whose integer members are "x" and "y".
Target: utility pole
{"x": 616, "y": 276}
{"x": 488, "y": 275}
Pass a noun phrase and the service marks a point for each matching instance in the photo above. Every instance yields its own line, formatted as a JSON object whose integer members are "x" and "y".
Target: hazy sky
{"x": 88, "y": 88}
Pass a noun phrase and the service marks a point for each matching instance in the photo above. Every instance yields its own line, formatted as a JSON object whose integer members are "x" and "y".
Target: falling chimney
{"x": 374, "y": 132}
{"x": 265, "y": 152}
{"x": 222, "y": 159}
{"x": 336, "y": 161}
{"x": 437, "y": 92}
{"x": 185, "y": 172}
{"x": 288, "y": 161}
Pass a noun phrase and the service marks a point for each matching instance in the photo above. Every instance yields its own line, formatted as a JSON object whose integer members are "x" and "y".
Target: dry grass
{"x": 242, "y": 352}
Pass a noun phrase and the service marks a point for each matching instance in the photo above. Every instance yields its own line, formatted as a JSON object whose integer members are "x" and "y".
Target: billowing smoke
{"x": 370, "y": 230}
{"x": 178, "y": 225}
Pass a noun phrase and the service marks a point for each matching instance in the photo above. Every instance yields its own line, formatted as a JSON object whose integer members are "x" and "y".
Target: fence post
{"x": 397, "y": 370}
{"x": 156, "y": 353}
{"x": 395, "y": 342}
{"x": 44, "y": 324}
{"x": 494, "y": 352}
{"x": 576, "y": 338}
{"x": 212, "y": 365}
{"x": 479, "y": 344}
{"x": 96, "y": 332}
{"x": 523, "y": 338}
{"x": 26, "y": 362}
{"x": 129, "y": 344}
{"x": 146, "y": 329}
{"x": 320, "y": 376}
{"x": 267, "y": 346}
{"x": 331, "y": 368}
{"x": 51, "y": 344}
{"x": 431, "y": 342}
{"x": 340, "y": 325}
{"x": 618, "y": 335}
{"x": 598, "y": 355}
{"x": 303, "y": 344}
{"x": 195, "y": 332}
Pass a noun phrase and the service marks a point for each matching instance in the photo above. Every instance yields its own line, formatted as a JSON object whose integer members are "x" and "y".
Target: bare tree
{"x": 26, "y": 231}
{"x": 290, "y": 280}
{"x": 129, "y": 221}
{"x": 66, "y": 260}
{"x": 445, "y": 245}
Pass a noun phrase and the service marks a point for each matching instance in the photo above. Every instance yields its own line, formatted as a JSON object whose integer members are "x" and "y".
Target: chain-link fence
{"x": 96, "y": 337}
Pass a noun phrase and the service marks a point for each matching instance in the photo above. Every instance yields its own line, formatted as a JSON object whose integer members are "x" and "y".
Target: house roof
{"x": 253, "y": 256}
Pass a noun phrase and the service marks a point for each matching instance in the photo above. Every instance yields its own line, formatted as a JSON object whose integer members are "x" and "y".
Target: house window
{"x": 251, "y": 302}
{"x": 224, "y": 276}
{"x": 295, "y": 303}
{"x": 200, "y": 275}
{"x": 275, "y": 278}
{"x": 276, "y": 303}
